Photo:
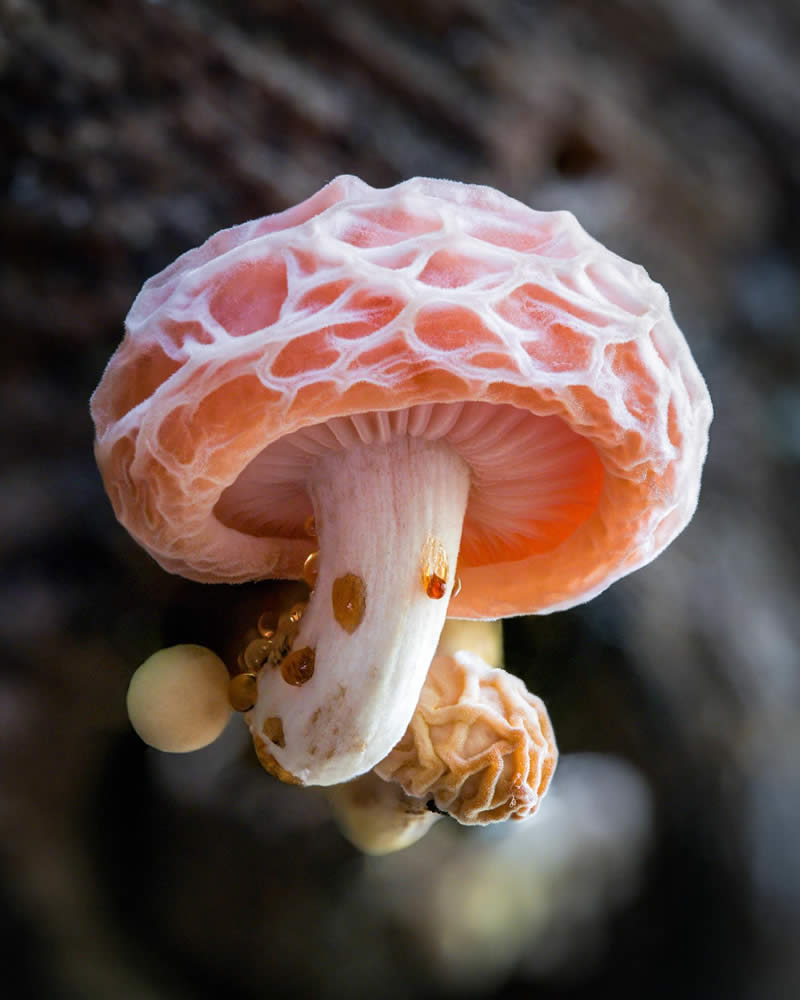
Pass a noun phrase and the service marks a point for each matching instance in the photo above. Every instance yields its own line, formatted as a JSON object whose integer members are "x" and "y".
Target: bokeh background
{"x": 666, "y": 860}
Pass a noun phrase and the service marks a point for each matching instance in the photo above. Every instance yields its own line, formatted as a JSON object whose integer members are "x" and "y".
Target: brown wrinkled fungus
{"x": 479, "y": 744}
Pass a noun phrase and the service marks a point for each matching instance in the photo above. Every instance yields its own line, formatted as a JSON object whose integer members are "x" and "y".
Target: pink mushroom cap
{"x": 435, "y": 309}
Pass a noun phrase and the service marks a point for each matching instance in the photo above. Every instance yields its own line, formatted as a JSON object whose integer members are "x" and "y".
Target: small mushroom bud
{"x": 377, "y": 816}
{"x": 479, "y": 744}
{"x": 484, "y": 638}
{"x": 178, "y": 698}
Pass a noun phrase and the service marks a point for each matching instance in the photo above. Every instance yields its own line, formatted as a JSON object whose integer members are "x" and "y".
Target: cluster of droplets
{"x": 273, "y": 647}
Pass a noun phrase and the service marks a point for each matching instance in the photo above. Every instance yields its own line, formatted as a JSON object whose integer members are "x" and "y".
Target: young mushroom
{"x": 377, "y": 816}
{"x": 177, "y": 699}
{"x": 479, "y": 745}
{"x": 479, "y": 748}
{"x": 454, "y": 385}
{"x": 483, "y": 637}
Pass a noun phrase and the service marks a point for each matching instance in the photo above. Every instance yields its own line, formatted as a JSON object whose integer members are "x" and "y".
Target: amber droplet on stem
{"x": 256, "y": 653}
{"x": 266, "y": 625}
{"x": 273, "y": 730}
{"x": 270, "y": 765}
{"x": 349, "y": 600}
{"x": 285, "y": 633}
{"x": 243, "y": 692}
{"x": 311, "y": 569}
{"x": 310, "y": 526}
{"x": 298, "y": 667}
{"x": 434, "y": 568}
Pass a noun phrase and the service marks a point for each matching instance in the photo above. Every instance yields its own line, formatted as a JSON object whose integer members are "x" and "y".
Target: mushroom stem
{"x": 389, "y": 521}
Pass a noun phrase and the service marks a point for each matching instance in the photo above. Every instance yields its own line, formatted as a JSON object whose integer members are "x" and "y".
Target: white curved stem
{"x": 378, "y": 509}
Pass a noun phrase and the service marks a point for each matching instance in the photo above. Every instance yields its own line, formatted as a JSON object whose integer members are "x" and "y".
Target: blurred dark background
{"x": 666, "y": 860}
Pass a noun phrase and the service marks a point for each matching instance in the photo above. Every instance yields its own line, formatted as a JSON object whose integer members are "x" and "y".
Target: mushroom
{"x": 178, "y": 698}
{"x": 377, "y": 816}
{"x": 479, "y": 748}
{"x": 482, "y": 637}
{"x": 421, "y": 384}
{"x": 479, "y": 745}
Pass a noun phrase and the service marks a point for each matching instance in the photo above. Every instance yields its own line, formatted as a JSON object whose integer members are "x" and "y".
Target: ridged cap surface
{"x": 362, "y": 300}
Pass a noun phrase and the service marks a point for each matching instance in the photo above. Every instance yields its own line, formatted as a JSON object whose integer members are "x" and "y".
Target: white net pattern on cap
{"x": 366, "y": 301}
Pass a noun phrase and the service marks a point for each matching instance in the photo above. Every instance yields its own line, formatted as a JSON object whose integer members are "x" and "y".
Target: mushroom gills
{"x": 388, "y": 517}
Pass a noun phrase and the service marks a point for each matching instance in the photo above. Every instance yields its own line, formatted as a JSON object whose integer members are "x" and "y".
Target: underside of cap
{"x": 445, "y": 308}
{"x": 533, "y": 480}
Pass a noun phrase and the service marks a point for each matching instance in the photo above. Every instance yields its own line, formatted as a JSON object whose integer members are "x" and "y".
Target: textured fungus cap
{"x": 450, "y": 382}
{"x": 361, "y": 300}
{"x": 479, "y": 744}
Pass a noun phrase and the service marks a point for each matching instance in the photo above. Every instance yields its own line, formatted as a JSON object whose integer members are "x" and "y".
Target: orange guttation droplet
{"x": 273, "y": 730}
{"x": 285, "y": 634}
{"x": 270, "y": 765}
{"x": 256, "y": 653}
{"x": 349, "y": 600}
{"x": 311, "y": 569}
{"x": 434, "y": 568}
{"x": 298, "y": 667}
{"x": 310, "y": 526}
{"x": 266, "y": 625}
{"x": 243, "y": 691}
